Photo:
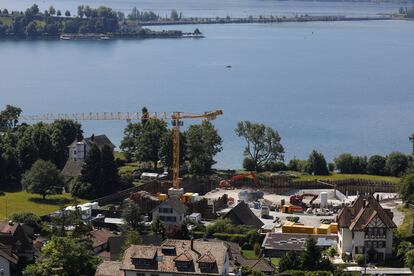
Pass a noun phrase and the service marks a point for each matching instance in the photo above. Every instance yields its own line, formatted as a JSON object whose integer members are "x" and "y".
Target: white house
{"x": 78, "y": 151}
{"x": 365, "y": 228}
{"x": 172, "y": 257}
{"x": 171, "y": 211}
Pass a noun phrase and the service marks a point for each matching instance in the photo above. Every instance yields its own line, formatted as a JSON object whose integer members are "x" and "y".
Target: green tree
{"x": 109, "y": 173}
{"x": 311, "y": 256}
{"x": 43, "y": 179}
{"x": 81, "y": 11}
{"x": 67, "y": 13}
{"x": 90, "y": 177}
{"x": 166, "y": 149}
{"x": 344, "y": 163}
{"x": 52, "y": 10}
{"x": 9, "y": 117}
{"x": 132, "y": 238}
{"x": 317, "y": 164}
{"x": 396, "y": 163}
{"x": 263, "y": 143}
{"x": 289, "y": 260}
{"x": 59, "y": 13}
{"x": 158, "y": 227}
{"x": 131, "y": 214}
{"x": 376, "y": 165}
{"x": 411, "y": 138}
{"x": 64, "y": 256}
{"x": 249, "y": 164}
{"x": 149, "y": 142}
{"x": 406, "y": 187}
{"x": 174, "y": 15}
{"x": 27, "y": 218}
{"x": 31, "y": 30}
{"x": 203, "y": 143}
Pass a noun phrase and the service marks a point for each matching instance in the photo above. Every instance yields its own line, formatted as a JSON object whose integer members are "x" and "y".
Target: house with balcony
{"x": 365, "y": 228}
{"x": 171, "y": 211}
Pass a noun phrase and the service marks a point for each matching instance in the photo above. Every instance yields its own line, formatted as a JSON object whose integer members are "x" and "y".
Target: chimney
{"x": 192, "y": 244}
{"x": 364, "y": 203}
{"x": 93, "y": 138}
{"x": 377, "y": 197}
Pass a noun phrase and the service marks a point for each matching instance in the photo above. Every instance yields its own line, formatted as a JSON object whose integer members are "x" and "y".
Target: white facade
{"x": 4, "y": 267}
{"x": 78, "y": 151}
{"x": 168, "y": 215}
{"x": 376, "y": 235}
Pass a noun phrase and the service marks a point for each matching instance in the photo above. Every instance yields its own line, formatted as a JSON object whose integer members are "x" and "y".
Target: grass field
{"x": 405, "y": 229}
{"x": 249, "y": 254}
{"x": 5, "y": 20}
{"x": 14, "y": 202}
{"x": 343, "y": 176}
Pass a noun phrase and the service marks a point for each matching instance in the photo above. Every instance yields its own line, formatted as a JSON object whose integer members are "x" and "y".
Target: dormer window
{"x": 207, "y": 262}
{"x": 183, "y": 261}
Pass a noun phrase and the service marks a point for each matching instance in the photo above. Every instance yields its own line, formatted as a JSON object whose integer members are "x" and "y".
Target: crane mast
{"x": 175, "y": 117}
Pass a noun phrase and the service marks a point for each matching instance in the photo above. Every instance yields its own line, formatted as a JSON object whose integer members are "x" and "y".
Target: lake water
{"x": 335, "y": 87}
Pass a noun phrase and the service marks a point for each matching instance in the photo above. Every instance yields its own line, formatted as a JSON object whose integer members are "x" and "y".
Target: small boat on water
{"x": 84, "y": 37}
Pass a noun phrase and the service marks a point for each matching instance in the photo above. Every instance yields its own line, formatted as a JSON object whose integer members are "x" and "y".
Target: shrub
{"x": 27, "y": 218}
{"x": 275, "y": 167}
{"x": 359, "y": 259}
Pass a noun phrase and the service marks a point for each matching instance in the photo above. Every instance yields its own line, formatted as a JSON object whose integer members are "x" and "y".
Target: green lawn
{"x": 5, "y": 20}
{"x": 12, "y": 202}
{"x": 405, "y": 229}
{"x": 249, "y": 254}
{"x": 343, "y": 176}
{"x": 275, "y": 261}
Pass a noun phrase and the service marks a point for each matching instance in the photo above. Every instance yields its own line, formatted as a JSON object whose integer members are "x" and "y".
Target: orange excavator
{"x": 228, "y": 183}
{"x": 297, "y": 200}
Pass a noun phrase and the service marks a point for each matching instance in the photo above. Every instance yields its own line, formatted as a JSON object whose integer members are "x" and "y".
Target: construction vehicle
{"x": 175, "y": 117}
{"x": 297, "y": 200}
{"x": 229, "y": 183}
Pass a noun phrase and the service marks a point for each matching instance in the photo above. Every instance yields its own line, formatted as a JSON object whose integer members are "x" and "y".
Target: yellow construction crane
{"x": 175, "y": 117}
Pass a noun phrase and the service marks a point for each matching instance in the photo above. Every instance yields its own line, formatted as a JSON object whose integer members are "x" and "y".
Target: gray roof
{"x": 295, "y": 242}
{"x": 242, "y": 215}
{"x": 174, "y": 203}
{"x": 72, "y": 168}
{"x": 99, "y": 140}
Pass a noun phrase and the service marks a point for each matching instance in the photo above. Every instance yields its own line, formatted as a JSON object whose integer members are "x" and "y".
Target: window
{"x": 165, "y": 210}
{"x": 140, "y": 274}
{"x": 153, "y": 274}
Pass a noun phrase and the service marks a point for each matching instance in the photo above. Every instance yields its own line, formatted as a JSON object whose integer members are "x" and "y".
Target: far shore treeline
{"x": 51, "y": 23}
{"x": 34, "y": 23}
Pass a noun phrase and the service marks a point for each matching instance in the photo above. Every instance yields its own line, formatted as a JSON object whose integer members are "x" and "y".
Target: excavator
{"x": 297, "y": 200}
{"x": 229, "y": 183}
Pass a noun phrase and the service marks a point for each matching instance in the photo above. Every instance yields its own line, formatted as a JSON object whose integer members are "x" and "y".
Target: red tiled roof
{"x": 100, "y": 237}
{"x": 362, "y": 212}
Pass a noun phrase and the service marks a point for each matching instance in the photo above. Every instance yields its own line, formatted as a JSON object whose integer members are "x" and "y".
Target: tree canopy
{"x": 203, "y": 143}
{"x": 317, "y": 164}
{"x": 263, "y": 143}
{"x": 43, "y": 179}
{"x": 64, "y": 256}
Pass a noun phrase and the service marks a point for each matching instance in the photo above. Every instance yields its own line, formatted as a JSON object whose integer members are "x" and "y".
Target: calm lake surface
{"x": 335, "y": 87}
